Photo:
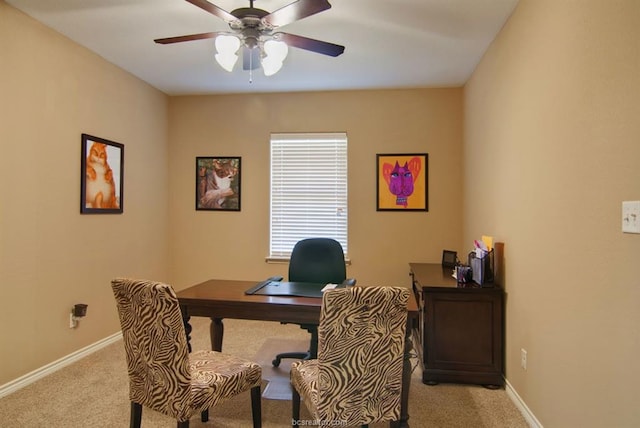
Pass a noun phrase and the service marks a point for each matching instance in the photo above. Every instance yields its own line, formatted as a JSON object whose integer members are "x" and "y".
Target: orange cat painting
{"x": 101, "y": 187}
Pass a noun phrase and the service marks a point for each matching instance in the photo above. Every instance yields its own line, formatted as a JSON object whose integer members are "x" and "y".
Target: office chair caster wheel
{"x": 276, "y": 362}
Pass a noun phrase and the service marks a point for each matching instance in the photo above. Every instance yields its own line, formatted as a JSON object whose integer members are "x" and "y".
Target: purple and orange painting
{"x": 402, "y": 182}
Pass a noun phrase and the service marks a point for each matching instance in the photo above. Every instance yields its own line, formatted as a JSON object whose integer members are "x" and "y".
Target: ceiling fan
{"x": 255, "y": 30}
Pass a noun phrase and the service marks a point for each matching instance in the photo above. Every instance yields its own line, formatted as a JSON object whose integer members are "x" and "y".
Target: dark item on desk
{"x": 449, "y": 258}
{"x": 320, "y": 261}
{"x": 153, "y": 329}
{"x": 297, "y": 289}
{"x": 482, "y": 268}
{"x": 377, "y": 317}
{"x": 258, "y": 286}
{"x": 463, "y": 274}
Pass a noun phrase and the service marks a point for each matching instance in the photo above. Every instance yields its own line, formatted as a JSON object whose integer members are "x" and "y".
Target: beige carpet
{"x": 93, "y": 392}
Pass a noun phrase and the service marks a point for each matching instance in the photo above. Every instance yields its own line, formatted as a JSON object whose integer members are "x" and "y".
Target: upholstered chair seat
{"x": 357, "y": 377}
{"x": 163, "y": 375}
{"x": 216, "y": 376}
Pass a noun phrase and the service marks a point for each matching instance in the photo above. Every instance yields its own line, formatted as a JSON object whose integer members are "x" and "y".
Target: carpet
{"x": 93, "y": 392}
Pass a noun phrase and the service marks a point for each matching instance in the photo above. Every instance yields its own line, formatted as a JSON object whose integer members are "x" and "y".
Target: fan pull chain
{"x": 251, "y": 68}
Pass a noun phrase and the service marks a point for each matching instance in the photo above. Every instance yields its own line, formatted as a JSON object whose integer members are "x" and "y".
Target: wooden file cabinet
{"x": 460, "y": 333}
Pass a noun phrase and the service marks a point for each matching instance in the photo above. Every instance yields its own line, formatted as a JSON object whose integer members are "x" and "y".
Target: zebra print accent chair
{"x": 163, "y": 376}
{"x": 357, "y": 377}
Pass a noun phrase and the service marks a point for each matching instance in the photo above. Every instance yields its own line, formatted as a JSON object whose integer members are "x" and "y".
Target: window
{"x": 308, "y": 190}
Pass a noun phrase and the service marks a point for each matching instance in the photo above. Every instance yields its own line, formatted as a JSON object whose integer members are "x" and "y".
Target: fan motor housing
{"x": 244, "y": 12}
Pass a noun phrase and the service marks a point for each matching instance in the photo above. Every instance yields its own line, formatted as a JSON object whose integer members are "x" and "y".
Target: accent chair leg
{"x": 204, "y": 415}
{"x": 184, "y": 424}
{"x": 136, "y": 415}
{"x": 256, "y": 406}
{"x": 295, "y": 407}
{"x": 313, "y": 348}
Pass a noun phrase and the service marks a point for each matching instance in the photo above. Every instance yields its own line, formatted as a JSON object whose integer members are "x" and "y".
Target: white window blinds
{"x": 308, "y": 189}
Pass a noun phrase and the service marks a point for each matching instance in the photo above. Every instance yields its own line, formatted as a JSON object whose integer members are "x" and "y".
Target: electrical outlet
{"x": 73, "y": 323}
{"x": 523, "y": 358}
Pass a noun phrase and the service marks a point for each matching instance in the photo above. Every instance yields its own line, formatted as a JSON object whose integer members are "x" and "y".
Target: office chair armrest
{"x": 349, "y": 282}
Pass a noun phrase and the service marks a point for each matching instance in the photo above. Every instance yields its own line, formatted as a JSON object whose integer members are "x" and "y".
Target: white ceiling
{"x": 389, "y": 43}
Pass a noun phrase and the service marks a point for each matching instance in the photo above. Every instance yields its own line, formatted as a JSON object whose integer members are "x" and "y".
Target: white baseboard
{"x": 520, "y": 404}
{"x": 37, "y": 374}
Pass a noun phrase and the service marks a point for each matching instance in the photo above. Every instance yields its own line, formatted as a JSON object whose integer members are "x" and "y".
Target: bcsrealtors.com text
{"x": 317, "y": 423}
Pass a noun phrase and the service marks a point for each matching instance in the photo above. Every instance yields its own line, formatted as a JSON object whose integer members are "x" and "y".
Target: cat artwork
{"x": 100, "y": 185}
{"x": 400, "y": 179}
{"x": 215, "y": 184}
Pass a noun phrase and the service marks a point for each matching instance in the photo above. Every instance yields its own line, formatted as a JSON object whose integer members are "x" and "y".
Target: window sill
{"x": 284, "y": 260}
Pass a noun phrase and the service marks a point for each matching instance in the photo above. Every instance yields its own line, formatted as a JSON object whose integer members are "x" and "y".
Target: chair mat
{"x": 278, "y": 387}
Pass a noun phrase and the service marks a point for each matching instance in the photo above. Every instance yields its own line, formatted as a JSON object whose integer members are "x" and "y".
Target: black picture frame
{"x": 449, "y": 258}
{"x": 393, "y": 193}
{"x": 101, "y": 176}
{"x": 218, "y": 183}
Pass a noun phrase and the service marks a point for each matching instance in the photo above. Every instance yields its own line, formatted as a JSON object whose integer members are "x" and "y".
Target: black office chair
{"x": 317, "y": 260}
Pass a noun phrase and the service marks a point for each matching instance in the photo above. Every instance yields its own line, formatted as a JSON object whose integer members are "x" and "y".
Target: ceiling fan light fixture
{"x": 275, "y": 54}
{"x": 276, "y": 49}
{"x": 227, "y": 46}
{"x": 270, "y": 66}
{"x": 227, "y": 61}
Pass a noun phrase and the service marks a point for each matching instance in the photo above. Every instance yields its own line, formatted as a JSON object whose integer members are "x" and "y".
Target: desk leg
{"x": 406, "y": 377}
{"x": 216, "y": 331}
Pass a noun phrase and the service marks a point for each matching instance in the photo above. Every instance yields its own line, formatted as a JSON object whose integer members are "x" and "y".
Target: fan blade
{"x": 250, "y": 58}
{"x": 308, "y": 44}
{"x": 213, "y": 9}
{"x": 178, "y": 39}
{"x": 295, "y": 11}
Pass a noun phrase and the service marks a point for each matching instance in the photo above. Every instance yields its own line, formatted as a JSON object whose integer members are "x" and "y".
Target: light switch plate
{"x": 631, "y": 216}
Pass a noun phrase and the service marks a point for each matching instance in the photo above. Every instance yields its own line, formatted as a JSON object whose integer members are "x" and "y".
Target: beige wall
{"x": 551, "y": 115}
{"x": 207, "y": 244}
{"x": 51, "y": 257}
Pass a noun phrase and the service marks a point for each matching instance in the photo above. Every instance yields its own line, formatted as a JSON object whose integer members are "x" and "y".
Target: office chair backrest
{"x": 361, "y": 340}
{"x": 155, "y": 345}
{"x": 319, "y": 260}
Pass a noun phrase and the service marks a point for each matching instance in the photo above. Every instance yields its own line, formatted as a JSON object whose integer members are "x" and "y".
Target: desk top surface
{"x": 228, "y": 290}
{"x": 233, "y": 291}
{"x": 433, "y": 275}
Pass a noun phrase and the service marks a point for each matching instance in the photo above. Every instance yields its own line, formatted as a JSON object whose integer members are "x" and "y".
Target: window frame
{"x": 288, "y": 181}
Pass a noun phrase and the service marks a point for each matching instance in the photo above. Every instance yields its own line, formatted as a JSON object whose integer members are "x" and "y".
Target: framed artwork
{"x": 218, "y": 183}
{"x": 101, "y": 176}
{"x": 449, "y": 258}
{"x": 402, "y": 182}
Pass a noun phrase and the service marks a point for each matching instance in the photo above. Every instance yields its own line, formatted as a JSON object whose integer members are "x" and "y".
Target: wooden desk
{"x": 219, "y": 299}
{"x": 461, "y": 331}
